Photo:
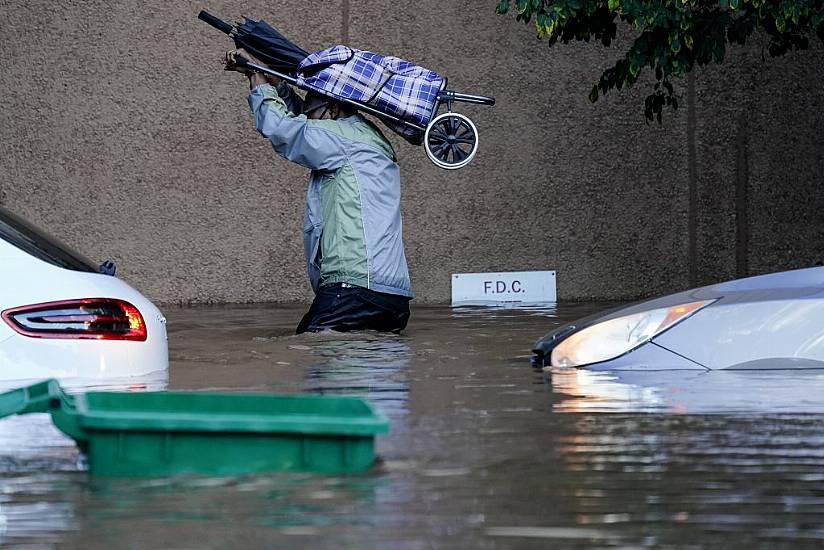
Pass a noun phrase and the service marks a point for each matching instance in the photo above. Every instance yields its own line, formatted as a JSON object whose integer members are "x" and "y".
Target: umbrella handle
{"x": 244, "y": 64}
{"x": 217, "y": 23}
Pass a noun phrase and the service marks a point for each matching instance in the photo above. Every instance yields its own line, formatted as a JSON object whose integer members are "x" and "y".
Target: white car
{"x": 62, "y": 318}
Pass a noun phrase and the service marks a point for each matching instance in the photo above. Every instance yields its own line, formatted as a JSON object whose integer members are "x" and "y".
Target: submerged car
{"x": 767, "y": 322}
{"x": 64, "y": 317}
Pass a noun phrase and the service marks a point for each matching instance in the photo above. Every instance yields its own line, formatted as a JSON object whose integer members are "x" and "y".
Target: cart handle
{"x": 445, "y": 96}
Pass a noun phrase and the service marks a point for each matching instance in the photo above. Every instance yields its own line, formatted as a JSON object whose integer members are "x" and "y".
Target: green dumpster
{"x": 166, "y": 433}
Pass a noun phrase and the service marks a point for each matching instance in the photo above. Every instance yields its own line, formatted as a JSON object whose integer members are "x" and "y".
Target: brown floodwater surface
{"x": 484, "y": 451}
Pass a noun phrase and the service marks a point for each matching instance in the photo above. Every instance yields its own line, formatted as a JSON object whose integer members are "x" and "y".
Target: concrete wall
{"x": 120, "y": 134}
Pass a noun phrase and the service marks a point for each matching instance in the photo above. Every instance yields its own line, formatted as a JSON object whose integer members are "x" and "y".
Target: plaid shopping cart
{"x": 404, "y": 96}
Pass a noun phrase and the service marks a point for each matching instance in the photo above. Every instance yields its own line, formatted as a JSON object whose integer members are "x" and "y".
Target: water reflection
{"x": 688, "y": 392}
{"x": 362, "y": 364}
{"x": 24, "y": 516}
{"x": 497, "y": 311}
{"x": 154, "y": 381}
{"x": 240, "y": 511}
{"x": 274, "y": 500}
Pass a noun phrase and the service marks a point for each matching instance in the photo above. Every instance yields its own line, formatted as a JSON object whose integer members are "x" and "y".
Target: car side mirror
{"x": 108, "y": 268}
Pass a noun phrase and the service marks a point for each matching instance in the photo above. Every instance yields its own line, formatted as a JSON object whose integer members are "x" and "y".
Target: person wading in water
{"x": 352, "y": 234}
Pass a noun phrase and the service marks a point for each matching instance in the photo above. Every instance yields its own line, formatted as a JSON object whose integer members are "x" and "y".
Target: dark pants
{"x": 345, "y": 307}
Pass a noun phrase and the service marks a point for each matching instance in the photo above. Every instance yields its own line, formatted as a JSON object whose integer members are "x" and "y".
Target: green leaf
{"x": 593, "y": 95}
{"x": 671, "y": 36}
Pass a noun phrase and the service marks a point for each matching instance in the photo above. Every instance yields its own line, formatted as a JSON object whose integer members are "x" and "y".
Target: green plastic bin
{"x": 166, "y": 433}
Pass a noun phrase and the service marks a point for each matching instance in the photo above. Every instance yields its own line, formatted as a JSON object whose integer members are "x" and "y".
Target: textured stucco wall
{"x": 120, "y": 134}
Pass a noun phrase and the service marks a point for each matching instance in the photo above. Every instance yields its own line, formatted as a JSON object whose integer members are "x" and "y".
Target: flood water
{"x": 484, "y": 451}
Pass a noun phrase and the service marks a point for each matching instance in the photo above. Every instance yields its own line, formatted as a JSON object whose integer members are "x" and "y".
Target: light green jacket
{"x": 352, "y": 225}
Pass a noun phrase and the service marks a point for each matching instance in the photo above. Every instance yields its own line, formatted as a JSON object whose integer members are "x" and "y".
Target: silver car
{"x": 768, "y": 322}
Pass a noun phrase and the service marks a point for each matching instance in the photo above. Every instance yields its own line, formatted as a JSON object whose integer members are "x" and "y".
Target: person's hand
{"x": 231, "y": 57}
{"x": 230, "y": 64}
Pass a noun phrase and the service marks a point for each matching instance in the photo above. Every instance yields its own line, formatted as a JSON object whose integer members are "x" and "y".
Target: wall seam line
{"x": 692, "y": 186}
{"x": 742, "y": 182}
{"x": 344, "y": 27}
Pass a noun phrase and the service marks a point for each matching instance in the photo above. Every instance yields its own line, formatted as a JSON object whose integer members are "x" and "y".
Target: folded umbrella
{"x": 267, "y": 44}
{"x": 263, "y": 41}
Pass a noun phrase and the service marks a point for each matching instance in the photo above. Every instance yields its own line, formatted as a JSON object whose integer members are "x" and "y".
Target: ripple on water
{"x": 483, "y": 452}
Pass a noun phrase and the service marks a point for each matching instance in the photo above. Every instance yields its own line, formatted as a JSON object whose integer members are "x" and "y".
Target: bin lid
{"x": 40, "y": 397}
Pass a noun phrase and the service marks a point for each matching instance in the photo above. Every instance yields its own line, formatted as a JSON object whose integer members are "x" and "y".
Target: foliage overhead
{"x": 671, "y": 36}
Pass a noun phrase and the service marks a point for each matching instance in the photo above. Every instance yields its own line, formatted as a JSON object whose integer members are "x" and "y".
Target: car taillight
{"x": 88, "y": 318}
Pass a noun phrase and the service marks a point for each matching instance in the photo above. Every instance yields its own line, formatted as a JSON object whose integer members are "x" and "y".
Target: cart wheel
{"x": 451, "y": 141}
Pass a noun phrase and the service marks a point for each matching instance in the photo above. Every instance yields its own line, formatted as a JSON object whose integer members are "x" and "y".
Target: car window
{"x": 17, "y": 231}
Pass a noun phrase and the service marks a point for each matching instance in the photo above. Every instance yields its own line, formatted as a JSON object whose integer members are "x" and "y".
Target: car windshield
{"x": 17, "y": 231}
